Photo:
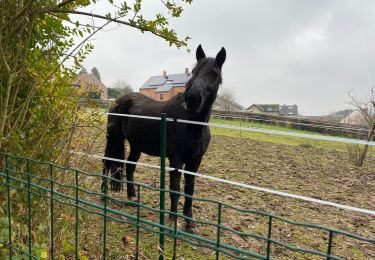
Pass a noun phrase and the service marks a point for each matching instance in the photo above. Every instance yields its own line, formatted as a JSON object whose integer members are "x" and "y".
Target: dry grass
{"x": 320, "y": 171}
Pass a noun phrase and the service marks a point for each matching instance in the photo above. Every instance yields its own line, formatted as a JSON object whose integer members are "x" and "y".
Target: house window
{"x": 161, "y": 97}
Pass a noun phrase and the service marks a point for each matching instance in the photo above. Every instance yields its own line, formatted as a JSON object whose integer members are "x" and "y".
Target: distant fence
{"x": 298, "y": 123}
{"x": 21, "y": 174}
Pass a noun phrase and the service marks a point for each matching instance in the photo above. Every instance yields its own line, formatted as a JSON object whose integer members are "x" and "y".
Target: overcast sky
{"x": 309, "y": 53}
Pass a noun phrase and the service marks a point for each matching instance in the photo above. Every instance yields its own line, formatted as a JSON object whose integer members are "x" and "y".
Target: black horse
{"x": 186, "y": 143}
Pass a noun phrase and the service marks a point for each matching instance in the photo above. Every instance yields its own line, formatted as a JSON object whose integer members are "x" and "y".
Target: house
{"x": 164, "y": 87}
{"x": 91, "y": 86}
{"x": 271, "y": 109}
{"x": 274, "y": 109}
{"x": 354, "y": 118}
{"x": 224, "y": 104}
{"x": 288, "y": 110}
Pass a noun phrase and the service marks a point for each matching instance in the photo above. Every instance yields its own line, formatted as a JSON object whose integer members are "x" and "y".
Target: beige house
{"x": 223, "y": 104}
{"x": 354, "y": 118}
{"x": 91, "y": 86}
{"x": 164, "y": 87}
{"x": 270, "y": 109}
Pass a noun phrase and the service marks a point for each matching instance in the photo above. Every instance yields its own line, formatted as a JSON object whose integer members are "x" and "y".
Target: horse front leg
{"x": 130, "y": 168}
{"x": 106, "y": 169}
{"x": 174, "y": 185}
{"x": 191, "y": 166}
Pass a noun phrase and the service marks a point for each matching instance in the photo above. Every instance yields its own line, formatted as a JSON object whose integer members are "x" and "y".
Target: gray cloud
{"x": 309, "y": 53}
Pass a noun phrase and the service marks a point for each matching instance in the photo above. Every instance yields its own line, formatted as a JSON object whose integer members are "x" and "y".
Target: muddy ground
{"x": 322, "y": 173}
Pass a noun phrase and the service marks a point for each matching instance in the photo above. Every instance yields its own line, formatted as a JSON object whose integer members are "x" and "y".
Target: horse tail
{"x": 114, "y": 148}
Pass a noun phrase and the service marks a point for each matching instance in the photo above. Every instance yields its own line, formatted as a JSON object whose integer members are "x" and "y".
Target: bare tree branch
{"x": 133, "y": 25}
{"x": 366, "y": 108}
{"x": 65, "y": 3}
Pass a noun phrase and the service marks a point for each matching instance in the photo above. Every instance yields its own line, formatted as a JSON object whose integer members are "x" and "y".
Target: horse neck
{"x": 205, "y": 114}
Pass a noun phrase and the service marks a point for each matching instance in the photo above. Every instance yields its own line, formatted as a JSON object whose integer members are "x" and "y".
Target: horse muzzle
{"x": 192, "y": 103}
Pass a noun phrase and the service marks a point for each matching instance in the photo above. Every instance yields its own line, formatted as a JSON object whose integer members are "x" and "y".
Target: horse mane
{"x": 207, "y": 65}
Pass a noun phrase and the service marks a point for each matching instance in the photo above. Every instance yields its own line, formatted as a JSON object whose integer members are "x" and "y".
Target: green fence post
{"x": 269, "y": 237}
{"x": 51, "y": 211}
{"x": 76, "y": 225}
{"x": 175, "y": 234}
{"x": 218, "y": 231}
{"x": 8, "y": 213}
{"x": 329, "y": 250}
{"x": 29, "y": 205}
{"x": 138, "y": 215}
{"x": 163, "y": 136}
{"x": 105, "y": 216}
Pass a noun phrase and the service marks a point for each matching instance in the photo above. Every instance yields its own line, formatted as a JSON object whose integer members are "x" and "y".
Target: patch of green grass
{"x": 358, "y": 253}
{"x": 259, "y": 125}
{"x": 280, "y": 139}
{"x": 274, "y": 138}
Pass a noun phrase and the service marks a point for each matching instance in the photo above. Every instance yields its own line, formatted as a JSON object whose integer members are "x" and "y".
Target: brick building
{"x": 164, "y": 87}
{"x": 288, "y": 110}
{"x": 90, "y": 86}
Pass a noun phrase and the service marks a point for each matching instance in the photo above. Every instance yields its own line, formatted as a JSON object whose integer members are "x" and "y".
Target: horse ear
{"x": 200, "y": 53}
{"x": 220, "y": 57}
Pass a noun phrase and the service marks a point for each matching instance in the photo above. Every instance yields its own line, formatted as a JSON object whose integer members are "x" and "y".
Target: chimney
{"x": 165, "y": 74}
{"x": 187, "y": 71}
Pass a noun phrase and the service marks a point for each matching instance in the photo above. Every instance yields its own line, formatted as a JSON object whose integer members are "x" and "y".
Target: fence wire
{"x": 235, "y": 183}
{"x": 18, "y": 178}
{"x": 255, "y": 129}
{"x": 21, "y": 175}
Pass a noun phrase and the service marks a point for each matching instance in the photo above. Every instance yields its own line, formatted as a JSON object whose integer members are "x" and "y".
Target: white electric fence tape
{"x": 239, "y": 184}
{"x": 258, "y": 130}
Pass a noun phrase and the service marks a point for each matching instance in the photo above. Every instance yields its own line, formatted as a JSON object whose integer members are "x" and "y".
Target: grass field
{"x": 307, "y": 167}
{"x": 277, "y": 139}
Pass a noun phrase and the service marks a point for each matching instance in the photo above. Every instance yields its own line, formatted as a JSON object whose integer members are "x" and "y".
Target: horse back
{"x": 183, "y": 140}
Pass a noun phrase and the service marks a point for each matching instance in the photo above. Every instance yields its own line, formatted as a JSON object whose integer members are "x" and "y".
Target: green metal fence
{"x": 21, "y": 175}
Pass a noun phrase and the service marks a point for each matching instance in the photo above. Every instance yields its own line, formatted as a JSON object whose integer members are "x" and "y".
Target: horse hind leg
{"x": 130, "y": 168}
{"x": 115, "y": 148}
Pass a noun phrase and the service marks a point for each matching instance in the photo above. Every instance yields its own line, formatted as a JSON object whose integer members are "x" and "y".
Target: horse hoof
{"x": 133, "y": 198}
{"x": 171, "y": 218}
{"x": 172, "y": 221}
{"x": 191, "y": 228}
{"x": 116, "y": 188}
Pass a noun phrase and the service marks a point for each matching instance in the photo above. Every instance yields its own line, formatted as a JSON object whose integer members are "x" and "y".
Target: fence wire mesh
{"x": 27, "y": 231}
{"x": 59, "y": 189}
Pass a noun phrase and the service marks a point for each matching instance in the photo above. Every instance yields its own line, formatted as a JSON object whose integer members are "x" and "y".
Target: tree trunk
{"x": 369, "y": 138}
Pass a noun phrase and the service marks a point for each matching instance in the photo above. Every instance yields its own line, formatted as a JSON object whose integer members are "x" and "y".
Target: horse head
{"x": 202, "y": 88}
